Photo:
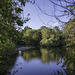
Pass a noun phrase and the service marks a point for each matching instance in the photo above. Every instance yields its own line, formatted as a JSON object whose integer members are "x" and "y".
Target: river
{"x": 43, "y": 61}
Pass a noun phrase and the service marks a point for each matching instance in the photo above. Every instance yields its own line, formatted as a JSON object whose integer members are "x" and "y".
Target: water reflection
{"x": 17, "y": 67}
{"x": 6, "y": 63}
{"x": 69, "y": 58}
{"x": 20, "y": 52}
{"x": 39, "y": 62}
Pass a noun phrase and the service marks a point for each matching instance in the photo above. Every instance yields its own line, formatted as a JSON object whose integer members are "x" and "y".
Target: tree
{"x": 51, "y": 37}
{"x": 69, "y": 33}
{"x": 37, "y": 38}
{"x": 10, "y": 15}
{"x": 13, "y": 8}
{"x": 68, "y": 7}
{"x": 7, "y": 46}
{"x": 32, "y": 37}
{"x": 43, "y": 27}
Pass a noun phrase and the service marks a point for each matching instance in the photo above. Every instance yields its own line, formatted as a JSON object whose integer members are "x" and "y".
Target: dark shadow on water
{"x": 6, "y": 63}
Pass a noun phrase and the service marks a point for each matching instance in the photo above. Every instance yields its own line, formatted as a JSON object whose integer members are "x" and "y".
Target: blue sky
{"x": 39, "y": 19}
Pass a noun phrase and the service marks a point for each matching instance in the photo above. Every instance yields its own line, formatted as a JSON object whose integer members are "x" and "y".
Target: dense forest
{"x": 48, "y": 37}
{"x": 10, "y": 37}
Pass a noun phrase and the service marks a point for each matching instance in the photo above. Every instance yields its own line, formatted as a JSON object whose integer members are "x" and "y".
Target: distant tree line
{"x": 48, "y": 37}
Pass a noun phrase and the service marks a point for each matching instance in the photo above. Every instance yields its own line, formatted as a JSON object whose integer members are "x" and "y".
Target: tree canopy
{"x": 69, "y": 33}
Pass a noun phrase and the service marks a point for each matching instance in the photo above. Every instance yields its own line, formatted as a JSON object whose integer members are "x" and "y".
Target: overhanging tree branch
{"x": 43, "y": 11}
{"x": 65, "y": 7}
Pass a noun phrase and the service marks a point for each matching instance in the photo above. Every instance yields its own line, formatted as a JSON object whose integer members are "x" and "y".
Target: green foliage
{"x": 19, "y": 22}
{"x": 69, "y": 33}
{"x": 6, "y": 44}
{"x": 8, "y": 38}
{"x": 31, "y": 37}
{"x": 36, "y": 37}
{"x": 10, "y": 15}
{"x": 28, "y": 36}
{"x": 6, "y": 61}
{"x": 9, "y": 31}
{"x": 13, "y": 8}
{"x": 69, "y": 59}
{"x": 43, "y": 27}
{"x": 51, "y": 37}
{"x": 10, "y": 11}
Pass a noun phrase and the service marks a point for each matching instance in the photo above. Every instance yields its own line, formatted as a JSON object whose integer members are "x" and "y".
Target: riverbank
{"x": 24, "y": 48}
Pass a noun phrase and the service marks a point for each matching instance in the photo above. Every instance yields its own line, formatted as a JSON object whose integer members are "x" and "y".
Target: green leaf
{"x": 19, "y": 22}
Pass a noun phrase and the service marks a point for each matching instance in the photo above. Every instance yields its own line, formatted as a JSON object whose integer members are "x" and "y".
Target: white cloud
{"x": 55, "y": 24}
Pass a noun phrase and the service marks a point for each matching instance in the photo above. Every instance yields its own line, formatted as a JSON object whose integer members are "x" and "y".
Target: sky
{"x": 38, "y": 18}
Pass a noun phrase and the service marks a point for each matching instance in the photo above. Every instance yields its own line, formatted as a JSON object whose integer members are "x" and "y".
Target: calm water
{"x": 39, "y": 62}
{"x": 54, "y": 61}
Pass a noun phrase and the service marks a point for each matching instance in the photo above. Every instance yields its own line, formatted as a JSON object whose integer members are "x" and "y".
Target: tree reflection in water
{"x": 69, "y": 58}
{"x": 40, "y": 62}
{"x": 6, "y": 63}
